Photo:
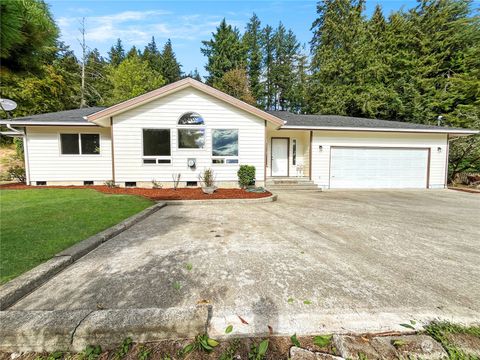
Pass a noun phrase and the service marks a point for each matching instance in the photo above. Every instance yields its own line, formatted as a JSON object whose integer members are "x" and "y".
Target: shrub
{"x": 246, "y": 176}
{"x": 110, "y": 184}
{"x": 14, "y": 167}
{"x": 207, "y": 178}
{"x": 17, "y": 172}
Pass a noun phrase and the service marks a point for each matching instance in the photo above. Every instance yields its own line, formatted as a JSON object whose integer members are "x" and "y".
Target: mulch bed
{"x": 155, "y": 194}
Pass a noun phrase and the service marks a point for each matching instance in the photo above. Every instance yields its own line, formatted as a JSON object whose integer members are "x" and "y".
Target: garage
{"x": 378, "y": 168}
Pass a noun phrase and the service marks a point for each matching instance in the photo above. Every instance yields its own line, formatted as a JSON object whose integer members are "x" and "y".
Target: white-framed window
{"x": 191, "y": 131}
{"x": 79, "y": 144}
{"x": 156, "y": 146}
{"x": 224, "y": 146}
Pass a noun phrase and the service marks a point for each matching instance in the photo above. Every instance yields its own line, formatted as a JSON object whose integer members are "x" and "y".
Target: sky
{"x": 186, "y": 23}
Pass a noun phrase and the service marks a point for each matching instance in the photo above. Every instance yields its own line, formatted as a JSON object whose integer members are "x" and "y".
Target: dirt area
{"x": 238, "y": 348}
{"x": 5, "y": 153}
{"x": 156, "y": 194}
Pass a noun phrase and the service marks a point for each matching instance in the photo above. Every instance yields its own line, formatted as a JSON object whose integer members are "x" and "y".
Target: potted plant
{"x": 207, "y": 179}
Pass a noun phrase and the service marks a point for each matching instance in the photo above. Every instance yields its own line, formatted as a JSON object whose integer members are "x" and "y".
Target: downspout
{"x": 112, "y": 150}
{"x": 26, "y": 158}
{"x": 447, "y": 156}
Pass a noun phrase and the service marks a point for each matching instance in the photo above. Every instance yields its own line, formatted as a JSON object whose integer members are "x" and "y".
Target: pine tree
{"x": 224, "y": 52}
{"x": 133, "y": 52}
{"x": 152, "y": 55}
{"x": 337, "y": 31}
{"x": 268, "y": 48}
{"x": 98, "y": 86}
{"x": 252, "y": 43}
{"x": 194, "y": 75}
{"x": 286, "y": 47}
{"x": 170, "y": 68}
{"x": 116, "y": 53}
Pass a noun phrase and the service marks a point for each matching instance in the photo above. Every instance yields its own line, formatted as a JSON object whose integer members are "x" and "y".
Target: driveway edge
{"x": 61, "y": 330}
{"x": 24, "y": 284}
{"x": 266, "y": 199}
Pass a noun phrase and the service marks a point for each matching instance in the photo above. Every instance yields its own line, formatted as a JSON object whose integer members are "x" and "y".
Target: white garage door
{"x": 352, "y": 168}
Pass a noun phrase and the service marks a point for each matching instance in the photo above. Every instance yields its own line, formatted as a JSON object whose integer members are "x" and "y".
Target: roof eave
{"x": 177, "y": 86}
{"x": 409, "y": 130}
{"x": 45, "y": 123}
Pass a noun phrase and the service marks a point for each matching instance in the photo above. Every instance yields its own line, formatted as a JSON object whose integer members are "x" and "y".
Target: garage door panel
{"x": 378, "y": 168}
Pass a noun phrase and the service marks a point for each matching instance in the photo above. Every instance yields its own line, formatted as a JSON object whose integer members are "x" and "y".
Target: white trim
{"x": 341, "y": 128}
{"x": 26, "y": 158}
{"x": 79, "y": 134}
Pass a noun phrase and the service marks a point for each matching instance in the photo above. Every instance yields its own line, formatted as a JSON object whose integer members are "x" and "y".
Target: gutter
{"x": 338, "y": 128}
{"x": 44, "y": 123}
{"x": 14, "y": 132}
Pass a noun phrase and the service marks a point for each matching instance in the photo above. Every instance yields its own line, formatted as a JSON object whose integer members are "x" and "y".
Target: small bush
{"x": 207, "y": 178}
{"x": 246, "y": 176}
{"x": 14, "y": 168}
{"x": 110, "y": 184}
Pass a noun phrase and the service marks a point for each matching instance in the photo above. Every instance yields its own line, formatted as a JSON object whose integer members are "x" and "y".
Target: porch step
{"x": 291, "y": 183}
{"x": 274, "y": 188}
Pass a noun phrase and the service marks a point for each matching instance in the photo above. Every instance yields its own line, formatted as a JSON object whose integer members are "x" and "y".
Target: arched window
{"x": 191, "y": 131}
{"x": 191, "y": 118}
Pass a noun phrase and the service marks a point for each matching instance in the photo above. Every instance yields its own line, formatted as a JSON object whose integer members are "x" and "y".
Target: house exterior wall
{"x": 164, "y": 113}
{"x": 303, "y": 149}
{"x": 46, "y": 163}
{"x": 327, "y": 139}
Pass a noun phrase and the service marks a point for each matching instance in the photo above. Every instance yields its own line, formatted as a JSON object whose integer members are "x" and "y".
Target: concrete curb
{"x": 40, "y": 331}
{"x": 266, "y": 199}
{"x": 24, "y": 284}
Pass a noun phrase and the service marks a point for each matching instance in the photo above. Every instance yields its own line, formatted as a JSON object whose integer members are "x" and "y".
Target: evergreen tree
{"x": 116, "y": 53}
{"x": 28, "y": 35}
{"x": 252, "y": 43}
{"x": 170, "y": 68}
{"x": 268, "y": 49}
{"x": 286, "y": 47}
{"x": 152, "y": 55}
{"x": 194, "y": 75}
{"x": 337, "y": 33}
{"x": 133, "y": 52}
{"x": 98, "y": 86}
{"x": 224, "y": 52}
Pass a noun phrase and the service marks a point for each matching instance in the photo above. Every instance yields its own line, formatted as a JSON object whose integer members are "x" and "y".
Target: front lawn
{"x": 36, "y": 224}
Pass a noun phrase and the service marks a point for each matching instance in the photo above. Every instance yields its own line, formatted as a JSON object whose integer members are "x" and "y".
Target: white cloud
{"x": 137, "y": 27}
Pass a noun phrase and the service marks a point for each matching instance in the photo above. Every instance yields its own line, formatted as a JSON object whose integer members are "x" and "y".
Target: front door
{"x": 280, "y": 156}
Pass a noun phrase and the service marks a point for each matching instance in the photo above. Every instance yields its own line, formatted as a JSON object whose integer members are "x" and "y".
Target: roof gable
{"x": 177, "y": 86}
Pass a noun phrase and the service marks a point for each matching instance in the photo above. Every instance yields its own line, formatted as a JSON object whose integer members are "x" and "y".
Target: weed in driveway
{"x": 91, "y": 352}
{"x": 188, "y": 266}
{"x": 177, "y": 285}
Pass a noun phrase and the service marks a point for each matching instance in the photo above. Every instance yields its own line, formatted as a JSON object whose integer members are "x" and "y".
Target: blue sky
{"x": 186, "y": 23}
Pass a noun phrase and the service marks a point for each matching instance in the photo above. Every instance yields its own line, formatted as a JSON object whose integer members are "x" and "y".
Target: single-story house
{"x": 187, "y": 126}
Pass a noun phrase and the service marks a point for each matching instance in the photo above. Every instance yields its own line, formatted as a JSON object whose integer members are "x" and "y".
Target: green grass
{"x": 36, "y": 224}
{"x": 440, "y": 331}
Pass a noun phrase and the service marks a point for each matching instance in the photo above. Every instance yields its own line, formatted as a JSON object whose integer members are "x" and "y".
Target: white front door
{"x": 279, "y": 157}
{"x": 353, "y": 167}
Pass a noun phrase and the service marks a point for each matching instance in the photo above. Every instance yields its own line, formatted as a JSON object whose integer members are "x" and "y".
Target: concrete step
{"x": 293, "y": 188}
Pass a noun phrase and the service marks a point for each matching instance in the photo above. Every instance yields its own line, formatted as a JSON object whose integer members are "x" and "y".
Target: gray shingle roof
{"x": 67, "y": 116}
{"x": 348, "y": 122}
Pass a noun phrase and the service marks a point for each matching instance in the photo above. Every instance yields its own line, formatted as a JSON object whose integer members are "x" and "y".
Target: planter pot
{"x": 209, "y": 189}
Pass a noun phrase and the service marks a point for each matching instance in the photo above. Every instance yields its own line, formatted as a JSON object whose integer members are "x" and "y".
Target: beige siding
{"x": 327, "y": 139}
{"x": 46, "y": 163}
{"x": 164, "y": 113}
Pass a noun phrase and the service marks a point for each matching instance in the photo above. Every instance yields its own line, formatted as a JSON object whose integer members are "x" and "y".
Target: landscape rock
{"x": 297, "y": 353}
{"x": 413, "y": 346}
{"x": 355, "y": 347}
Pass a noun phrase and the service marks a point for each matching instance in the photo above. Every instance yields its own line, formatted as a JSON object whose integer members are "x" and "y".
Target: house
{"x": 187, "y": 126}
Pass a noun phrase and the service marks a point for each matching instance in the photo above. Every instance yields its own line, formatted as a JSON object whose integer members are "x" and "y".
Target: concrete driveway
{"x": 312, "y": 261}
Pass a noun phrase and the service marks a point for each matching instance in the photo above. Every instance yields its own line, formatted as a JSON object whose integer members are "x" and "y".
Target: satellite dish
{"x": 8, "y": 105}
